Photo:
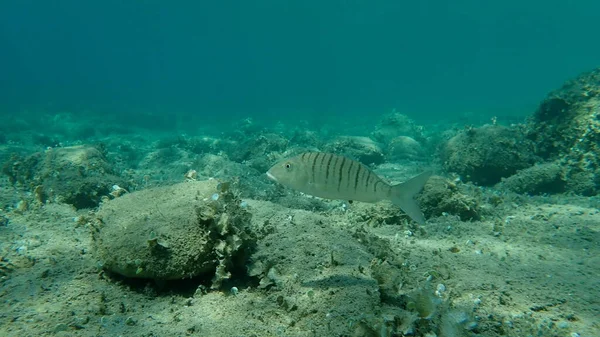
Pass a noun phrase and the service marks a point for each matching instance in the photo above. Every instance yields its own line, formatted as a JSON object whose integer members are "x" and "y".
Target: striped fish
{"x": 330, "y": 176}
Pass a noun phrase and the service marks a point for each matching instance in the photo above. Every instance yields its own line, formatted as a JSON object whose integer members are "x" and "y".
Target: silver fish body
{"x": 331, "y": 176}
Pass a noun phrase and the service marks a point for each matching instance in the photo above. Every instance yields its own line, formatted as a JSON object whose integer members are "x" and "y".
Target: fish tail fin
{"x": 403, "y": 194}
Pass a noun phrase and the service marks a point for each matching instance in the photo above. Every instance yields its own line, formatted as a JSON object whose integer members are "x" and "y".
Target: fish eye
{"x": 288, "y": 166}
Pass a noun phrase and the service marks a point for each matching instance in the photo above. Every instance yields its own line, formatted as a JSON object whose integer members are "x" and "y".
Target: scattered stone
{"x": 130, "y": 321}
{"x": 3, "y": 221}
{"x": 60, "y": 327}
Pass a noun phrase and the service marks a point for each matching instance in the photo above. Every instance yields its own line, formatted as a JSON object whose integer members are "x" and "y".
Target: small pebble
{"x": 130, "y": 321}
{"x": 3, "y": 221}
{"x": 60, "y": 327}
{"x": 440, "y": 290}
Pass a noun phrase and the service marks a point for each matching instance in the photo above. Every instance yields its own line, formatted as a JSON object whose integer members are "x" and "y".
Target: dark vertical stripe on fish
{"x": 340, "y": 173}
{"x": 363, "y": 174}
{"x": 356, "y": 178}
{"x": 367, "y": 181}
{"x": 348, "y": 175}
{"x": 328, "y": 168}
{"x": 309, "y": 160}
{"x": 333, "y": 169}
{"x": 321, "y": 164}
{"x": 314, "y": 161}
{"x": 375, "y": 186}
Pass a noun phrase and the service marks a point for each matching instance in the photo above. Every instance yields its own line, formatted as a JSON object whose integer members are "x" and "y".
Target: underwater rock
{"x": 76, "y": 175}
{"x": 404, "y": 147}
{"x": 441, "y": 196}
{"x": 583, "y": 181}
{"x": 254, "y": 151}
{"x": 538, "y": 179}
{"x": 164, "y": 157}
{"x": 250, "y": 183}
{"x": 379, "y": 214}
{"x": 174, "y": 232}
{"x": 567, "y": 116}
{"x": 306, "y": 138}
{"x": 196, "y": 145}
{"x": 487, "y": 154}
{"x": 363, "y": 149}
{"x": 395, "y": 124}
{"x": 566, "y": 127}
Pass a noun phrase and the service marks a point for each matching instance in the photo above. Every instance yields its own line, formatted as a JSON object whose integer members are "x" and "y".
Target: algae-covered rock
{"x": 77, "y": 175}
{"x": 254, "y": 150}
{"x": 305, "y": 138}
{"x": 538, "y": 179}
{"x": 174, "y": 232}
{"x": 363, "y": 149}
{"x": 568, "y": 116}
{"x": 487, "y": 154}
{"x": 441, "y": 196}
{"x": 404, "y": 147}
{"x": 566, "y": 128}
{"x": 395, "y": 124}
{"x": 378, "y": 214}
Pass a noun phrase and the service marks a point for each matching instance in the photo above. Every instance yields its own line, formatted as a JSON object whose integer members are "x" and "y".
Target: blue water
{"x": 288, "y": 60}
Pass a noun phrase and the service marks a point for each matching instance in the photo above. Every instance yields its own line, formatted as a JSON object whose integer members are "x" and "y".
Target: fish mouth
{"x": 270, "y": 176}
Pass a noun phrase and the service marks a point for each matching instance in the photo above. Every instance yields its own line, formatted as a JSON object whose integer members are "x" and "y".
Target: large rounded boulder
{"x": 196, "y": 228}
{"x": 363, "y": 149}
{"x": 487, "y": 154}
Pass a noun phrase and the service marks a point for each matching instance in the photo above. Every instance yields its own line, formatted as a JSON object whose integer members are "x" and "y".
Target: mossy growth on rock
{"x": 175, "y": 232}
{"x": 566, "y": 130}
{"x": 77, "y": 175}
{"x": 535, "y": 180}
{"x": 441, "y": 196}
{"x": 487, "y": 154}
{"x": 362, "y": 149}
